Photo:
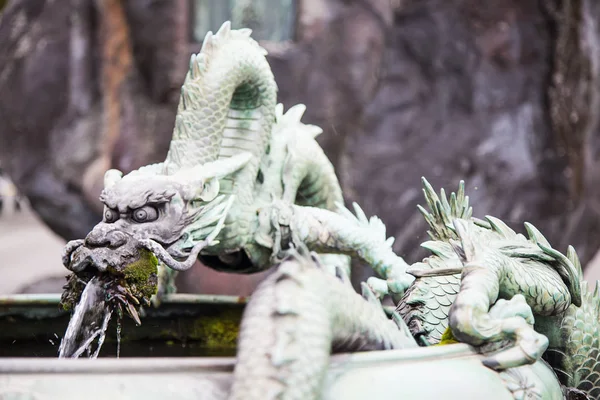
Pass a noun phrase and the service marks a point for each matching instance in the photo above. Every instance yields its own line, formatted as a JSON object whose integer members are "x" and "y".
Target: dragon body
{"x": 297, "y": 316}
{"x": 574, "y": 348}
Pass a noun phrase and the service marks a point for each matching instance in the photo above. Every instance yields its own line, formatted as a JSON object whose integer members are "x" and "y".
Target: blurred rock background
{"x": 502, "y": 94}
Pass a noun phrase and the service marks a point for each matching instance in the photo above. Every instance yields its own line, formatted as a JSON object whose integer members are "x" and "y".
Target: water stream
{"x": 118, "y": 337}
{"x": 88, "y": 324}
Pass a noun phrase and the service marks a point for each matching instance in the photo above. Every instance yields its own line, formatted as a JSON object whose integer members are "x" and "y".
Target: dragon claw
{"x": 528, "y": 348}
{"x": 398, "y": 285}
{"x": 377, "y": 287}
{"x": 516, "y": 306}
{"x": 527, "y": 351}
{"x": 126, "y": 300}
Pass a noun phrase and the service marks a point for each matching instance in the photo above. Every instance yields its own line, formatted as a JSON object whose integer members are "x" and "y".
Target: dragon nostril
{"x": 116, "y": 239}
{"x": 97, "y": 242}
{"x": 96, "y": 239}
{"x": 112, "y": 239}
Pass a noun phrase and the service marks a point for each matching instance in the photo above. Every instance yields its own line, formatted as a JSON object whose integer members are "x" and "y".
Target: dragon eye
{"x": 110, "y": 215}
{"x": 145, "y": 214}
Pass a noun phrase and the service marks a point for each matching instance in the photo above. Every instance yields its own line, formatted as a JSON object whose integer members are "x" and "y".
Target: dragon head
{"x": 174, "y": 216}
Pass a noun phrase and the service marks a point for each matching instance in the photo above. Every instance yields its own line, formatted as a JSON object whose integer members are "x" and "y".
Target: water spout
{"x": 88, "y": 323}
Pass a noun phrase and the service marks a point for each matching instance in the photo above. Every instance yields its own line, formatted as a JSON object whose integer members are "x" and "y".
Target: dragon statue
{"x": 242, "y": 182}
{"x": 246, "y": 187}
{"x": 486, "y": 284}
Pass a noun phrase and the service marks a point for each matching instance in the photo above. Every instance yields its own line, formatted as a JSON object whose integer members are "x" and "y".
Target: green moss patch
{"x": 213, "y": 332}
{"x": 216, "y": 332}
{"x": 141, "y": 276}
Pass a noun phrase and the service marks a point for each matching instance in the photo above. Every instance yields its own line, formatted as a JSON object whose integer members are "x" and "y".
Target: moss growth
{"x": 209, "y": 330}
{"x": 141, "y": 276}
{"x": 217, "y": 332}
{"x": 447, "y": 338}
{"x": 214, "y": 332}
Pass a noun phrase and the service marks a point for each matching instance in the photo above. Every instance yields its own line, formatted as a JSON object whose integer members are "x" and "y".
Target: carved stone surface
{"x": 462, "y": 95}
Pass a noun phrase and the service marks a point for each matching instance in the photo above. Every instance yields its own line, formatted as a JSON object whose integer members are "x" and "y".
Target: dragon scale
{"x": 574, "y": 349}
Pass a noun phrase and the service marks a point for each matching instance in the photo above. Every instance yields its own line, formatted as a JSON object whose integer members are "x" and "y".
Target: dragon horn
{"x": 203, "y": 180}
{"x": 111, "y": 177}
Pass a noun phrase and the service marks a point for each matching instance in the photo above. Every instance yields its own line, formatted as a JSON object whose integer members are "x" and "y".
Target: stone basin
{"x": 185, "y": 349}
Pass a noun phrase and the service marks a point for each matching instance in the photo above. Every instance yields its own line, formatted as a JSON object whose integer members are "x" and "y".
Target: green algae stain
{"x": 447, "y": 338}
{"x": 213, "y": 332}
{"x": 217, "y": 332}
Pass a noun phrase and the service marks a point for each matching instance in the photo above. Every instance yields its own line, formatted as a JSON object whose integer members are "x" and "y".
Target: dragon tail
{"x": 574, "y": 350}
{"x": 443, "y": 211}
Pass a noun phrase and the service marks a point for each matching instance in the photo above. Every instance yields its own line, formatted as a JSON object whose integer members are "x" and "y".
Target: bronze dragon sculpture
{"x": 246, "y": 186}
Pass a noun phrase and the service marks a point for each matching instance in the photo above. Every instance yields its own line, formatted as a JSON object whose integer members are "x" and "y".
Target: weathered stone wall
{"x": 502, "y": 94}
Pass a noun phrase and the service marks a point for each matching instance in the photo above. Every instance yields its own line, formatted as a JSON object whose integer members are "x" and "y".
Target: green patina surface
{"x": 301, "y": 205}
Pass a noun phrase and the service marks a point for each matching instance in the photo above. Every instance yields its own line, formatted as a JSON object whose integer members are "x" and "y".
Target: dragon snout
{"x": 100, "y": 250}
{"x": 84, "y": 258}
{"x": 111, "y": 239}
